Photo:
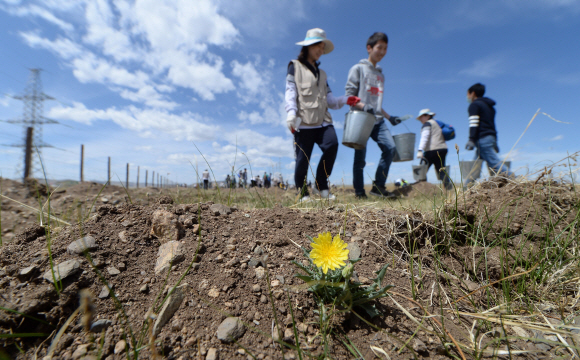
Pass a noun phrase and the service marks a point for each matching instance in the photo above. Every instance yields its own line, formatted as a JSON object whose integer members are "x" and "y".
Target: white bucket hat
{"x": 425, "y": 112}
{"x": 317, "y": 35}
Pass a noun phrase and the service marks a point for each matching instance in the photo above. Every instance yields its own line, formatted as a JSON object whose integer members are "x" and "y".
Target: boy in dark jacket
{"x": 482, "y": 133}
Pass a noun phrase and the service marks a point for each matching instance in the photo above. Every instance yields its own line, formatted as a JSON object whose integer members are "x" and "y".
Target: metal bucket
{"x": 358, "y": 126}
{"x": 506, "y": 164}
{"x": 420, "y": 172}
{"x": 405, "y": 144}
{"x": 470, "y": 170}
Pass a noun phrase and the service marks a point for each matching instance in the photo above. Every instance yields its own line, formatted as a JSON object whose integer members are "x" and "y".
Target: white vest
{"x": 436, "y": 141}
{"x": 312, "y": 105}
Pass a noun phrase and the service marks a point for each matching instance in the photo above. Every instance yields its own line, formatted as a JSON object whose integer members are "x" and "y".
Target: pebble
{"x": 230, "y": 328}
{"x": 120, "y": 347}
{"x": 231, "y": 247}
{"x": 232, "y": 262}
{"x": 219, "y": 258}
{"x": 212, "y": 354}
{"x": 113, "y": 270}
{"x": 289, "y": 256}
{"x": 260, "y": 272}
{"x": 263, "y": 299}
{"x": 27, "y": 271}
{"x": 81, "y": 245}
{"x": 353, "y": 251}
{"x": 80, "y": 351}
{"x": 123, "y": 236}
{"x": 256, "y": 288}
{"x": 64, "y": 269}
{"x": 104, "y": 292}
{"x": 100, "y": 325}
{"x": 244, "y": 266}
{"x": 121, "y": 266}
{"x": 258, "y": 250}
{"x": 280, "y": 278}
{"x": 169, "y": 308}
{"x": 214, "y": 293}
{"x": 275, "y": 283}
{"x": 169, "y": 254}
{"x": 144, "y": 288}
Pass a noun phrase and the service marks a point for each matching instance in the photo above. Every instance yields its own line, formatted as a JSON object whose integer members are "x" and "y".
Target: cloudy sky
{"x": 157, "y": 83}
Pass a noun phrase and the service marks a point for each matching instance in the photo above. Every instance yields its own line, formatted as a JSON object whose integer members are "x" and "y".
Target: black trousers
{"x": 437, "y": 158}
{"x": 325, "y": 138}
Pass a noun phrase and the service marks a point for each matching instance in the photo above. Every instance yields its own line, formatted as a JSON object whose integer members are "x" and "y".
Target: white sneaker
{"x": 304, "y": 199}
{"x": 325, "y": 194}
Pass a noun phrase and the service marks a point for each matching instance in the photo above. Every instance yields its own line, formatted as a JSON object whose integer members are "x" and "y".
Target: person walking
{"x": 366, "y": 82}
{"x": 205, "y": 177}
{"x": 482, "y": 132}
{"x": 308, "y": 98}
{"x": 432, "y": 146}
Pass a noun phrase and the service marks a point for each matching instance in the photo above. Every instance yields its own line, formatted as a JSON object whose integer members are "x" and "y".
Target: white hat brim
{"x": 328, "y": 47}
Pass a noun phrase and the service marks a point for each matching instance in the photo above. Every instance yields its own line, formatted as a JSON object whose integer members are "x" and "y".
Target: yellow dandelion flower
{"x": 328, "y": 253}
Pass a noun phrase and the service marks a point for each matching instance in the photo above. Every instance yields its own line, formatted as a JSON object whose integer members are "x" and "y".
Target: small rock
{"x": 80, "y": 351}
{"x": 263, "y": 299}
{"x": 100, "y": 325}
{"x": 169, "y": 308}
{"x": 356, "y": 238}
{"x": 260, "y": 272}
{"x": 353, "y": 251}
{"x": 520, "y": 332}
{"x": 120, "y": 347}
{"x": 104, "y": 292}
{"x": 419, "y": 346}
{"x": 230, "y": 328}
{"x": 81, "y": 245}
{"x": 127, "y": 223}
{"x": 213, "y": 292}
{"x": 289, "y": 256}
{"x": 144, "y": 288}
{"x": 258, "y": 250}
{"x": 255, "y": 262}
{"x": 256, "y": 288}
{"x": 231, "y": 247}
{"x": 280, "y": 278}
{"x": 212, "y": 354}
{"x": 124, "y": 236}
{"x": 104, "y": 200}
{"x": 232, "y": 262}
{"x": 169, "y": 254}
{"x": 244, "y": 266}
{"x": 113, "y": 270}
{"x": 275, "y": 283}
{"x": 27, "y": 272}
{"x": 220, "y": 209}
{"x": 165, "y": 226}
{"x": 62, "y": 270}
{"x": 121, "y": 266}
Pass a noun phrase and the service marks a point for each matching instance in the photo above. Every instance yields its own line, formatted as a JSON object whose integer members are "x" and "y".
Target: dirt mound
{"x": 142, "y": 251}
{"x": 419, "y": 189}
{"x": 509, "y": 208}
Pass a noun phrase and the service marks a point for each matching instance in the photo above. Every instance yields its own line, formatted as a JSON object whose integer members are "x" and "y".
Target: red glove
{"x": 352, "y": 100}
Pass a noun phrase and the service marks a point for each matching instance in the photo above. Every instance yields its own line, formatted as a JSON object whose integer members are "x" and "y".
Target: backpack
{"x": 447, "y": 130}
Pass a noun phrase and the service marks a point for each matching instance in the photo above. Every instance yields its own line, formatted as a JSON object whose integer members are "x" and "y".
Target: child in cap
{"x": 432, "y": 146}
{"x": 366, "y": 82}
{"x": 308, "y": 98}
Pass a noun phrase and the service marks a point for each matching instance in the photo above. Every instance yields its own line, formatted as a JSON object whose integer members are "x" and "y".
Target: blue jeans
{"x": 384, "y": 139}
{"x": 484, "y": 149}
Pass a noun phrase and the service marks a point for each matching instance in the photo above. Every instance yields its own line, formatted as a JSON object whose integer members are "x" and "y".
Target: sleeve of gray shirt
{"x": 353, "y": 83}
{"x": 290, "y": 97}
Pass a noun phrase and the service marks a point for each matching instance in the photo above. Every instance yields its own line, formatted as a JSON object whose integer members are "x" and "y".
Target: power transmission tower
{"x": 32, "y": 117}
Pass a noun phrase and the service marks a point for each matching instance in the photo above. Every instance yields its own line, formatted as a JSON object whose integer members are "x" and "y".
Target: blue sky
{"x": 145, "y": 82}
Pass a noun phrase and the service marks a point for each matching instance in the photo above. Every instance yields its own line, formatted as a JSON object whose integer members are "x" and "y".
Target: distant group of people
{"x": 308, "y": 98}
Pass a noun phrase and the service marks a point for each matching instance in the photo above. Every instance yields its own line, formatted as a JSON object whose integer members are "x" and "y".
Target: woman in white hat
{"x": 432, "y": 146}
{"x": 308, "y": 98}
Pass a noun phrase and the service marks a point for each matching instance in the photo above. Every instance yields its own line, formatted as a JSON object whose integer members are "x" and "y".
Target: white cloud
{"x": 63, "y": 47}
{"x": 34, "y": 10}
{"x": 488, "y": 67}
{"x": 556, "y": 138}
{"x": 186, "y": 126}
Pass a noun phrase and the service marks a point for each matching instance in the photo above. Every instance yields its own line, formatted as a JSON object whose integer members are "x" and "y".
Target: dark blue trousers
{"x": 305, "y": 139}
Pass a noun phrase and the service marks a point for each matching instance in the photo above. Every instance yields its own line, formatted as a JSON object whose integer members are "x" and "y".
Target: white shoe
{"x": 325, "y": 194}
{"x": 304, "y": 199}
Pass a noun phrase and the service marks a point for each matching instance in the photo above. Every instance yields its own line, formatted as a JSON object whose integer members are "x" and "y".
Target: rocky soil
{"x": 193, "y": 277}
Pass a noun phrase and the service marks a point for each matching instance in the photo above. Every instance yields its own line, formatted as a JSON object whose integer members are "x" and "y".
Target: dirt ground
{"x": 433, "y": 268}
